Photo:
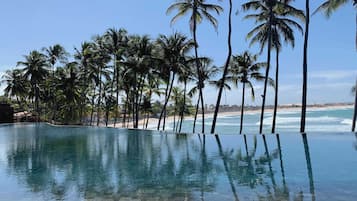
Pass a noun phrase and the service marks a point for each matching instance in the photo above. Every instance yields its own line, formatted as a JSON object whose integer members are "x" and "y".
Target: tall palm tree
{"x": 269, "y": 16}
{"x": 174, "y": 52}
{"x": 116, "y": 41}
{"x": 17, "y": 85}
{"x": 327, "y": 8}
{"x": 35, "y": 70}
{"x": 355, "y": 108}
{"x": 245, "y": 69}
{"x": 54, "y": 54}
{"x": 225, "y": 70}
{"x": 198, "y": 10}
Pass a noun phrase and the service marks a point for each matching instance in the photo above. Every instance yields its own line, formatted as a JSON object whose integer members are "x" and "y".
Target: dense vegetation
{"x": 123, "y": 78}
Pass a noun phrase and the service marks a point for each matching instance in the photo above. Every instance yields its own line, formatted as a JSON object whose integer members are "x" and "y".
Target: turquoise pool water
{"x": 40, "y": 162}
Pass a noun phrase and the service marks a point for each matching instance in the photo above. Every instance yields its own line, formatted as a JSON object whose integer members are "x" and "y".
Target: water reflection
{"x": 67, "y": 164}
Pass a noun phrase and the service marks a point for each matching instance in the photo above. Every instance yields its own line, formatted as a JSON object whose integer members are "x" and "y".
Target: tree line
{"x": 119, "y": 77}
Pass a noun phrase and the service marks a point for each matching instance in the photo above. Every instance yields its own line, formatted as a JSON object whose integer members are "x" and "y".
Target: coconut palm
{"x": 174, "y": 52}
{"x": 198, "y": 10}
{"x": 328, "y": 7}
{"x": 304, "y": 84}
{"x": 245, "y": 69}
{"x": 116, "y": 41}
{"x": 207, "y": 72}
{"x": 54, "y": 54}
{"x": 225, "y": 70}
{"x": 16, "y": 85}
{"x": 35, "y": 69}
{"x": 268, "y": 18}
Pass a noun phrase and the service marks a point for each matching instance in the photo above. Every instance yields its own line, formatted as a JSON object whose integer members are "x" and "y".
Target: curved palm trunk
{"x": 276, "y": 91}
{"x": 166, "y": 101}
{"x": 198, "y": 69}
{"x": 213, "y": 128}
{"x": 242, "y": 110}
{"x": 163, "y": 108}
{"x": 92, "y": 110}
{"x": 304, "y": 85}
{"x": 354, "y": 111}
{"x": 196, "y": 113}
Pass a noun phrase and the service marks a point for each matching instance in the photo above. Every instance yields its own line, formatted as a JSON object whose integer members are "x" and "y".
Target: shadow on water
{"x": 98, "y": 163}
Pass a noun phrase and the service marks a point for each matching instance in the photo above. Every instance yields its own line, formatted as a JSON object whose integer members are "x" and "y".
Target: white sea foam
{"x": 346, "y": 121}
{"x": 292, "y": 120}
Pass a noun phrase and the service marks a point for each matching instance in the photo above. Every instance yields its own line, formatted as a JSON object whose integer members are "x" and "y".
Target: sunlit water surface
{"x": 40, "y": 162}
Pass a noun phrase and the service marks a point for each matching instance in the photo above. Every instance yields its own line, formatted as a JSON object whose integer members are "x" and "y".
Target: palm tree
{"x": 116, "y": 41}
{"x": 328, "y": 7}
{"x": 198, "y": 9}
{"x": 355, "y": 108}
{"x": 174, "y": 52}
{"x": 245, "y": 69}
{"x": 225, "y": 70}
{"x": 268, "y": 18}
{"x": 207, "y": 72}
{"x": 84, "y": 56}
{"x": 304, "y": 84}
{"x": 17, "y": 85}
{"x": 35, "y": 70}
{"x": 54, "y": 54}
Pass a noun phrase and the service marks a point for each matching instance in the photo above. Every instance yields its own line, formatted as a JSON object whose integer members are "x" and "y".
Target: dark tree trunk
{"x": 166, "y": 101}
{"x": 198, "y": 69}
{"x": 276, "y": 91}
{"x": 92, "y": 110}
{"x": 184, "y": 105}
{"x": 99, "y": 95}
{"x": 266, "y": 73}
{"x": 225, "y": 69}
{"x": 242, "y": 110}
{"x": 163, "y": 108}
{"x": 355, "y": 110}
{"x": 304, "y": 85}
{"x": 195, "y": 118}
{"x": 125, "y": 108}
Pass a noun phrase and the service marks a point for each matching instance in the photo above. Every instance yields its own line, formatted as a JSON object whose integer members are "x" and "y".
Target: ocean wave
{"x": 346, "y": 121}
{"x": 291, "y": 120}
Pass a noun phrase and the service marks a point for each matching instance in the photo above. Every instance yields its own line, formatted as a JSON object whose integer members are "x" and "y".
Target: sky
{"x": 332, "y": 64}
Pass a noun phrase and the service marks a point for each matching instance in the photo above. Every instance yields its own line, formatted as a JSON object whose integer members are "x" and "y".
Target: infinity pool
{"x": 41, "y": 162}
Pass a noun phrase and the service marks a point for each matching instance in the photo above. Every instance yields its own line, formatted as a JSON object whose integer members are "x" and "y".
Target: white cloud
{"x": 333, "y": 74}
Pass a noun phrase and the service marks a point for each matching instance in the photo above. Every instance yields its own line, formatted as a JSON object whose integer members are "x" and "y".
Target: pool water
{"x": 41, "y": 162}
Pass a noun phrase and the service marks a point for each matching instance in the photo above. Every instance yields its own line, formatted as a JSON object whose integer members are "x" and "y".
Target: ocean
{"x": 288, "y": 121}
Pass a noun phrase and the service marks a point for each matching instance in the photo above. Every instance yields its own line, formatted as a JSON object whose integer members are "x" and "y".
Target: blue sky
{"x": 29, "y": 25}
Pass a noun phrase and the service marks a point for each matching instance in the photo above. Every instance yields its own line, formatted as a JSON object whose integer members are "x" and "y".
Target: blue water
{"x": 41, "y": 162}
{"x": 318, "y": 120}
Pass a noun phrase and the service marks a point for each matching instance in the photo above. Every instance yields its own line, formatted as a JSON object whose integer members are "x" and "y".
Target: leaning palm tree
{"x": 327, "y": 8}
{"x": 225, "y": 70}
{"x": 269, "y": 16}
{"x": 245, "y": 69}
{"x": 198, "y": 9}
{"x": 35, "y": 70}
{"x": 173, "y": 55}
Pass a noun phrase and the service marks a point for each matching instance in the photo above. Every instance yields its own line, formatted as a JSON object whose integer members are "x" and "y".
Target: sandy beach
{"x": 152, "y": 125}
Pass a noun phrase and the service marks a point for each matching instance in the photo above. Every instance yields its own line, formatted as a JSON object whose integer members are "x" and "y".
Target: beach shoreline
{"x": 152, "y": 125}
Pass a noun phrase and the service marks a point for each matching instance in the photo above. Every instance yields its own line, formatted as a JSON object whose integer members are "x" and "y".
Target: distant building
{"x": 6, "y": 113}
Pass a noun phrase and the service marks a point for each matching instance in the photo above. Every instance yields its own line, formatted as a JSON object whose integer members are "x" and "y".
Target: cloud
{"x": 333, "y": 74}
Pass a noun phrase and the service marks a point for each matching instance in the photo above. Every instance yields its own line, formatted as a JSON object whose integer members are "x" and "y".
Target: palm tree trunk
{"x": 166, "y": 101}
{"x": 115, "y": 80}
{"x": 242, "y": 110}
{"x": 184, "y": 105}
{"x": 198, "y": 69}
{"x": 92, "y": 111}
{"x": 163, "y": 108}
{"x": 225, "y": 69}
{"x": 276, "y": 91}
{"x": 355, "y": 110}
{"x": 266, "y": 78}
{"x": 304, "y": 85}
{"x": 99, "y": 96}
{"x": 125, "y": 108}
{"x": 195, "y": 119}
